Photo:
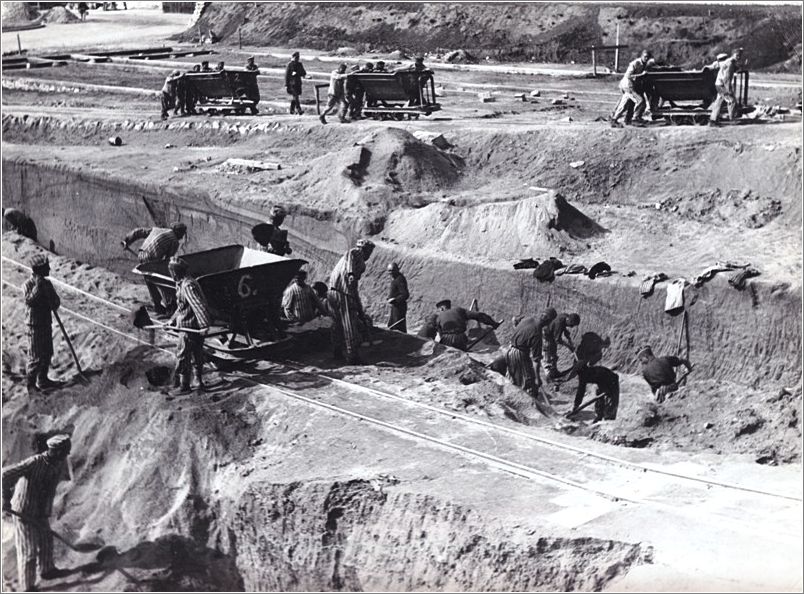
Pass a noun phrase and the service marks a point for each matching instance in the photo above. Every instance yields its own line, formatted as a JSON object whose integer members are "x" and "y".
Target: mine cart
{"x": 394, "y": 95}
{"x": 243, "y": 288}
{"x": 683, "y": 97}
{"x": 225, "y": 91}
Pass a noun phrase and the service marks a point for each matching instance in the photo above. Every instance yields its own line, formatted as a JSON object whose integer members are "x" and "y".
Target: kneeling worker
{"x": 451, "y": 324}
{"x": 192, "y": 314}
{"x": 660, "y": 372}
{"x": 300, "y": 303}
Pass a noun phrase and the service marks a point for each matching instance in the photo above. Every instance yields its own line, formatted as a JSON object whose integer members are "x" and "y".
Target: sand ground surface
{"x": 258, "y": 485}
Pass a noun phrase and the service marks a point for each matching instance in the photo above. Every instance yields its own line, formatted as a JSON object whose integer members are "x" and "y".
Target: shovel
{"x": 481, "y": 337}
{"x": 572, "y": 413}
{"x": 72, "y": 350}
{"x": 78, "y": 548}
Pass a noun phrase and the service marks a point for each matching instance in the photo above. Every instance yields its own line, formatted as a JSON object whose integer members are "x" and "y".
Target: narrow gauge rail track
{"x": 573, "y": 454}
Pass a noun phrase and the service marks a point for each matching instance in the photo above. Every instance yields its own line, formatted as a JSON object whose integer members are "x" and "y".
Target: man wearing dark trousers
{"x": 398, "y": 296}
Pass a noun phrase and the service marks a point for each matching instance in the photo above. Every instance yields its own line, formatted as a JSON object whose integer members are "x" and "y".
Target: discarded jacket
{"x": 526, "y": 263}
{"x": 599, "y": 269}
{"x": 738, "y": 279}
{"x": 674, "y": 303}
{"x": 711, "y": 271}
{"x": 646, "y": 288}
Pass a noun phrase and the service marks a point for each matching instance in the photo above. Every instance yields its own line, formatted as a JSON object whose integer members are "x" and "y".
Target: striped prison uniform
{"x": 300, "y": 303}
{"x": 526, "y": 340}
{"x": 159, "y": 244}
{"x": 451, "y": 324}
{"x": 191, "y": 312}
{"x": 40, "y": 298}
{"x": 399, "y": 294}
{"x": 552, "y": 335}
{"x": 35, "y": 479}
{"x": 344, "y": 302}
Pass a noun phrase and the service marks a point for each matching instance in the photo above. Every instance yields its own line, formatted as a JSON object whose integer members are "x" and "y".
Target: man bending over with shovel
{"x": 526, "y": 341}
{"x": 451, "y": 324}
{"x": 192, "y": 320}
{"x": 29, "y": 488}
{"x": 660, "y": 372}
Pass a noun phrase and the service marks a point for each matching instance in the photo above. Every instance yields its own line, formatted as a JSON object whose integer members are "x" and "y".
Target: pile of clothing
{"x": 547, "y": 270}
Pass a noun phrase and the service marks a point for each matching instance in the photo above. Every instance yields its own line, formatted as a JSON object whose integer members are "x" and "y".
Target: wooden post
{"x": 594, "y": 62}
{"x": 617, "y": 50}
{"x": 239, "y": 38}
{"x": 19, "y": 45}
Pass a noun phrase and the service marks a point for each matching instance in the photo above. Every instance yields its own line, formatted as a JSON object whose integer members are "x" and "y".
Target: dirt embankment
{"x": 238, "y": 489}
{"x": 555, "y": 32}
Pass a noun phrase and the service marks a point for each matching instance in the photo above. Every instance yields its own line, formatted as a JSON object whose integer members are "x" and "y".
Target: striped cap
{"x": 39, "y": 260}
{"x": 279, "y": 211}
{"x": 177, "y": 263}
{"x": 364, "y": 243}
{"x": 58, "y": 441}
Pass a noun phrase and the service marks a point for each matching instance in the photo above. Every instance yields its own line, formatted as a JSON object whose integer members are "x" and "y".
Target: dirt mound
{"x": 362, "y": 183}
{"x": 18, "y": 13}
{"x": 535, "y": 226}
{"x": 59, "y": 14}
{"x": 684, "y": 34}
{"x": 706, "y": 415}
{"x": 744, "y": 208}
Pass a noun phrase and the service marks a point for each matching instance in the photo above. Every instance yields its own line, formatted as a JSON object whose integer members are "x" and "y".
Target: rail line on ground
{"x": 515, "y": 468}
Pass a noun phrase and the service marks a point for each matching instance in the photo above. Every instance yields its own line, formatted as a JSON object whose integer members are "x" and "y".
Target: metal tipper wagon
{"x": 225, "y": 91}
{"x": 243, "y": 288}
{"x": 684, "y": 96}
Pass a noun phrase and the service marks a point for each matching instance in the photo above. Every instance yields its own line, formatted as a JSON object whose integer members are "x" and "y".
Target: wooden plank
{"x": 89, "y": 58}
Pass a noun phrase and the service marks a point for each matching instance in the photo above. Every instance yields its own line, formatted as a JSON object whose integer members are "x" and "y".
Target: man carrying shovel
{"x": 526, "y": 342}
{"x": 191, "y": 320}
{"x": 452, "y": 322}
{"x": 41, "y": 300}
{"x": 660, "y": 372}
{"x": 29, "y": 488}
{"x": 398, "y": 296}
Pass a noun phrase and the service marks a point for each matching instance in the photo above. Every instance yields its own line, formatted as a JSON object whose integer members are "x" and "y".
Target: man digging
{"x": 526, "y": 342}
{"x": 29, "y": 488}
{"x": 660, "y": 372}
{"x": 41, "y": 300}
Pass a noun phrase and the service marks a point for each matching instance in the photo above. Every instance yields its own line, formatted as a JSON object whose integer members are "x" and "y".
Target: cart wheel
{"x": 399, "y": 116}
{"x": 213, "y": 111}
{"x": 702, "y": 120}
{"x": 240, "y": 111}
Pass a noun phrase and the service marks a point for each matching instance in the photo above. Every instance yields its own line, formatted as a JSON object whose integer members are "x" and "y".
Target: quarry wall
{"x": 751, "y": 336}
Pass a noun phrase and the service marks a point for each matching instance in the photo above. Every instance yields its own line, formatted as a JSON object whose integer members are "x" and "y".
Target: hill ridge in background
{"x": 685, "y": 35}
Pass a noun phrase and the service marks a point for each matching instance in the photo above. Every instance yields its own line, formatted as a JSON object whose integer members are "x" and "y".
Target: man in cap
{"x": 336, "y": 97}
{"x": 451, "y": 323}
{"x": 29, "y": 488}
{"x": 525, "y": 349}
{"x": 660, "y": 372}
{"x": 555, "y": 333}
{"x": 269, "y": 235}
{"x": 294, "y": 73}
{"x": 16, "y": 220}
{"x": 344, "y": 300}
{"x": 220, "y": 66}
{"x": 160, "y": 244}
{"x": 726, "y": 68}
{"x": 380, "y": 67}
{"x": 628, "y": 85}
{"x": 168, "y": 97}
{"x": 192, "y": 318}
{"x": 300, "y": 302}
{"x": 205, "y": 66}
{"x": 251, "y": 66}
{"x": 40, "y": 299}
{"x": 398, "y": 296}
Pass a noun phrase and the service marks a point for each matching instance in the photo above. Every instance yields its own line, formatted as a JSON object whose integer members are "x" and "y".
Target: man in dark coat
{"x": 526, "y": 342}
{"x": 41, "y": 300}
{"x": 451, "y": 324}
{"x": 660, "y": 372}
{"x": 294, "y": 73}
{"x": 398, "y": 296}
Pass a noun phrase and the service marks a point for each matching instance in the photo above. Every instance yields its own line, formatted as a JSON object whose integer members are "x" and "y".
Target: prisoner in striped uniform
{"x": 29, "y": 488}
{"x": 192, "y": 313}
{"x": 41, "y": 299}
{"x": 451, "y": 323}
{"x": 526, "y": 341}
{"x": 300, "y": 303}
{"x": 344, "y": 300}
{"x": 160, "y": 244}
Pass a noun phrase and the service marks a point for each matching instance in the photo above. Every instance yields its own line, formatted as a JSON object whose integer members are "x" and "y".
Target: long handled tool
{"x": 70, "y": 344}
{"x": 572, "y": 413}
{"x": 481, "y": 337}
{"x": 128, "y": 249}
{"x": 79, "y": 548}
{"x": 396, "y": 323}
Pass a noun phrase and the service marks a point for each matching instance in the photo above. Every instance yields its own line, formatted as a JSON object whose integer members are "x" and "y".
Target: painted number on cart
{"x": 244, "y": 288}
